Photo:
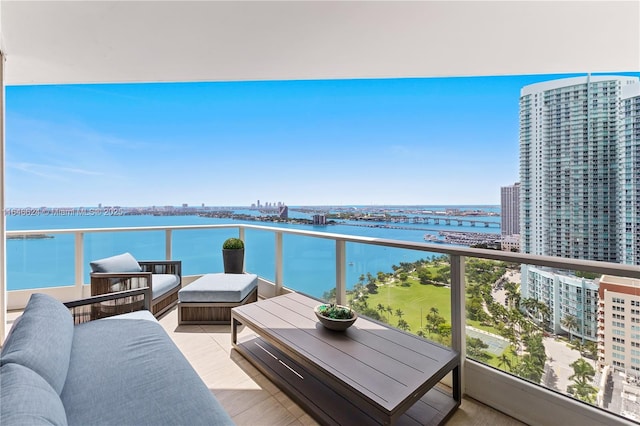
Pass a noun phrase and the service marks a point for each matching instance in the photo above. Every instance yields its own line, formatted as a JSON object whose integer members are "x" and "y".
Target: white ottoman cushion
{"x": 219, "y": 288}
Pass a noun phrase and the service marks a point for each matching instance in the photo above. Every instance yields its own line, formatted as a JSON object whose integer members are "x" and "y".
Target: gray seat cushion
{"x": 41, "y": 340}
{"x": 129, "y": 372}
{"x": 219, "y": 288}
{"x": 27, "y": 399}
{"x": 121, "y": 263}
{"x": 162, "y": 283}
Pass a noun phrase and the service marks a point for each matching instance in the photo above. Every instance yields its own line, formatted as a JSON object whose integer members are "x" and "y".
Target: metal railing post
{"x": 458, "y": 314}
{"x": 79, "y": 262}
{"x": 242, "y": 236}
{"x": 279, "y": 265}
{"x": 341, "y": 272}
{"x": 168, "y": 243}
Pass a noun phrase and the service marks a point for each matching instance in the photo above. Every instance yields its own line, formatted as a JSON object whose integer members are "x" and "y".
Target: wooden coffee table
{"x": 368, "y": 374}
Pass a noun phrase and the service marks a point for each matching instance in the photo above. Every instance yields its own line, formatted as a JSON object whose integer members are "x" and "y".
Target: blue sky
{"x": 337, "y": 142}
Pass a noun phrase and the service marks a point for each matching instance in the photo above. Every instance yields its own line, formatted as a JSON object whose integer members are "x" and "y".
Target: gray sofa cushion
{"x": 145, "y": 376}
{"x": 137, "y": 315}
{"x": 162, "y": 283}
{"x": 121, "y": 263}
{"x": 27, "y": 399}
{"x": 41, "y": 340}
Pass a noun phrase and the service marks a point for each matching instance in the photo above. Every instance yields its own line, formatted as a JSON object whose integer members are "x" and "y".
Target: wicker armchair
{"x": 163, "y": 277}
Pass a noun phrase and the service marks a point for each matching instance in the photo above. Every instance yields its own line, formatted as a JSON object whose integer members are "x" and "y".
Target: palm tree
{"x": 434, "y": 320}
{"x": 403, "y": 325}
{"x": 528, "y": 304}
{"x": 570, "y": 322}
{"x": 361, "y": 280}
{"x": 370, "y": 279}
{"x": 399, "y": 313}
{"x": 582, "y": 370}
{"x": 512, "y": 294}
{"x": 545, "y": 312}
{"x": 389, "y": 310}
{"x": 530, "y": 369}
{"x": 582, "y": 376}
{"x": 583, "y": 391}
{"x": 380, "y": 308}
{"x": 504, "y": 361}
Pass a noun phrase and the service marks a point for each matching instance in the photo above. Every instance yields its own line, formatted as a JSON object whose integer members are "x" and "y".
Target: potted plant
{"x": 233, "y": 256}
{"x": 335, "y": 317}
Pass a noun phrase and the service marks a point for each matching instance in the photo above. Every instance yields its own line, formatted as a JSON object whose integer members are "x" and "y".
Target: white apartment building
{"x": 619, "y": 324}
{"x": 564, "y": 295}
{"x": 580, "y": 183}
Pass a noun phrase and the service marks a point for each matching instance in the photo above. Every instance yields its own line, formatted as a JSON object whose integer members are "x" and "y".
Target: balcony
{"x": 65, "y": 42}
{"x": 248, "y": 396}
{"x": 508, "y": 393}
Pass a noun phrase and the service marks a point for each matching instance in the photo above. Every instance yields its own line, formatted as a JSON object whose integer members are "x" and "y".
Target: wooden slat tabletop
{"x": 385, "y": 365}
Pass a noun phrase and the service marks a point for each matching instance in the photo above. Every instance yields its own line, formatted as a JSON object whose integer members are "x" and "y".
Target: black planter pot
{"x": 233, "y": 260}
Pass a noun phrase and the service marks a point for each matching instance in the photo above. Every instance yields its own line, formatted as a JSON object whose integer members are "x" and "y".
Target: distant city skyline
{"x": 414, "y": 141}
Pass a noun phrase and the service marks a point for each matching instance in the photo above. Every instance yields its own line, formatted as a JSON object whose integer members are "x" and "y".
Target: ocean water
{"x": 309, "y": 263}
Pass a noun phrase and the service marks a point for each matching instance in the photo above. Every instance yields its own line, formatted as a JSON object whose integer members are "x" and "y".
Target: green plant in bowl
{"x": 335, "y": 317}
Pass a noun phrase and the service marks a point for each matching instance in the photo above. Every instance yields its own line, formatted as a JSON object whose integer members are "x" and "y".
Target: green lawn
{"x": 415, "y": 302}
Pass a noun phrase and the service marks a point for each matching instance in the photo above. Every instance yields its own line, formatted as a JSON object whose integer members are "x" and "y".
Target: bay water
{"x": 309, "y": 263}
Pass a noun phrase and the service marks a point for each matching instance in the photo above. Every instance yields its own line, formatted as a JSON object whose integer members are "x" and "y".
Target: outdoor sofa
{"x": 124, "y": 272}
{"x": 122, "y": 370}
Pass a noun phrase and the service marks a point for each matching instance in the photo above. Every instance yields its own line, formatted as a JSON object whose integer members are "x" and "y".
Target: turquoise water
{"x": 309, "y": 263}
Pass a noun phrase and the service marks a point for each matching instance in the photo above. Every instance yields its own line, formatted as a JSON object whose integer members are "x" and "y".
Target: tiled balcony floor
{"x": 249, "y": 397}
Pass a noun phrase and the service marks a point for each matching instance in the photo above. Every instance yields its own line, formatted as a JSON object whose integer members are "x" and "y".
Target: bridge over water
{"x": 447, "y": 221}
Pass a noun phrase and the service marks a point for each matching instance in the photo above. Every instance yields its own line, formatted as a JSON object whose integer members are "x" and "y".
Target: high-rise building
{"x": 510, "y": 209}
{"x": 319, "y": 219}
{"x": 570, "y": 166}
{"x": 628, "y": 213}
{"x": 579, "y": 185}
{"x": 283, "y": 212}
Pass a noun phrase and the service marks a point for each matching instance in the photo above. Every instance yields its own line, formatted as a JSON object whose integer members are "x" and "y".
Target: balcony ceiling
{"x": 155, "y": 41}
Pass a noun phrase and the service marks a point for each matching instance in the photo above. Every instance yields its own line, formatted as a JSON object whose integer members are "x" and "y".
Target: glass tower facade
{"x": 510, "y": 209}
{"x": 572, "y": 180}
{"x": 629, "y": 180}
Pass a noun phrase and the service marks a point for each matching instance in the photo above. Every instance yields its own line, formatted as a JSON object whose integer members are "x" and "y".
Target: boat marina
{"x": 462, "y": 238}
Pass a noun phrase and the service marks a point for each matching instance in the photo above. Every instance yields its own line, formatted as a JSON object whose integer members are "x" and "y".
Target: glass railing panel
{"x": 200, "y": 250}
{"x": 143, "y": 245}
{"x": 309, "y": 264}
{"x": 407, "y": 289}
{"x": 495, "y": 326}
{"x": 40, "y": 261}
{"x": 573, "y": 332}
{"x": 260, "y": 256}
